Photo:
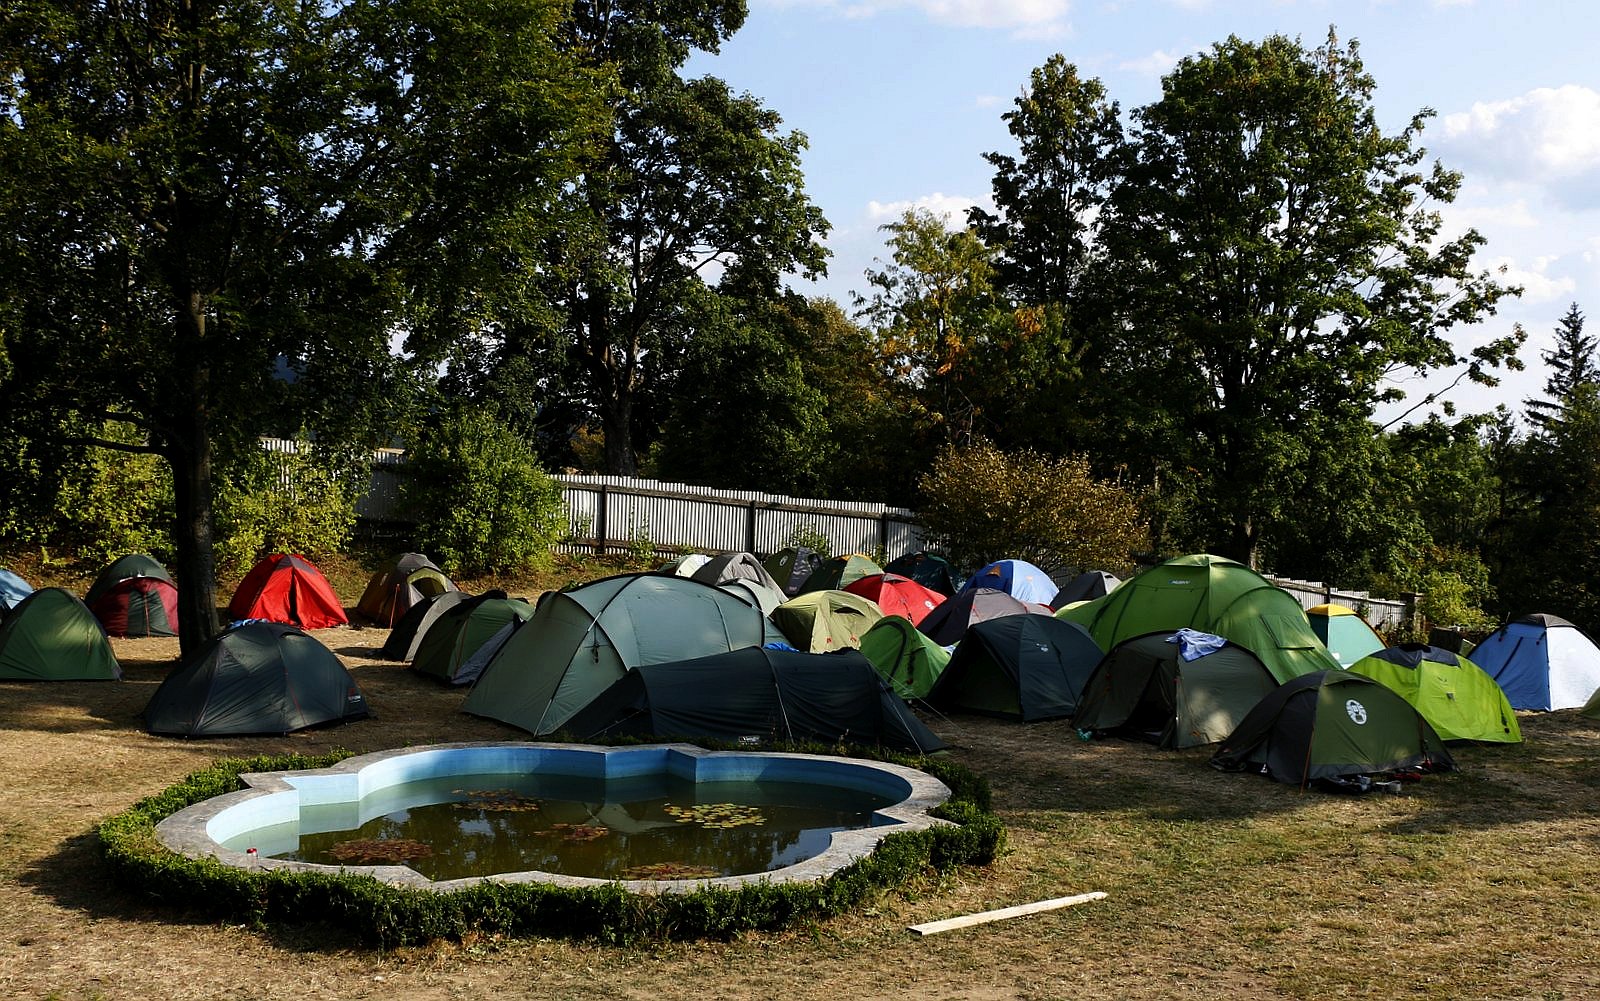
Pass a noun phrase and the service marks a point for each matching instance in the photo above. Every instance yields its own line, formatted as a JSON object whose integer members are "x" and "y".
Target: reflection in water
{"x": 639, "y": 827}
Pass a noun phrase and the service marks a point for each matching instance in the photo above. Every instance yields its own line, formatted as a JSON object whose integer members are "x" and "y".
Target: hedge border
{"x": 389, "y": 916}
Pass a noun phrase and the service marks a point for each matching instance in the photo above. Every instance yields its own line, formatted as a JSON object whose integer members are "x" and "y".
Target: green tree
{"x": 216, "y": 191}
{"x": 1572, "y": 365}
{"x": 1277, "y": 256}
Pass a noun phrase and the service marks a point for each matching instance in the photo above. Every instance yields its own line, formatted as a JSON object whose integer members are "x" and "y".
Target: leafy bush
{"x": 115, "y": 503}
{"x": 392, "y": 915}
{"x": 982, "y": 504}
{"x": 288, "y": 502}
{"x": 480, "y": 499}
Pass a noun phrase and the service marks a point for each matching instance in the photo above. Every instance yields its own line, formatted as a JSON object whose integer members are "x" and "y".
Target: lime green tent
{"x": 52, "y": 636}
{"x": 580, "y": 641}
{"x": 1452, "y": 693}
{"x": 906, "y": 658}
{"x": 1214, "y": 595}
{"x": 825, "y": 621}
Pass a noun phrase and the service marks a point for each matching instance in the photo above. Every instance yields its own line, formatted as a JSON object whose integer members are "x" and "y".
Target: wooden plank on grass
{"x": 984, "y": 917}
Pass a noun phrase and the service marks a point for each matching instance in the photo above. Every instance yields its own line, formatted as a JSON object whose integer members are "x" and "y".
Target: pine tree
{"x": 1572, "y": 365}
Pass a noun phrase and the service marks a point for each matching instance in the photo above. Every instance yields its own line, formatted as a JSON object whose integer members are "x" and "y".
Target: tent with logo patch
{"x": 52, "y": 636}
{"x": 1452, "y": 693}
{"x": 791, "y": 566}
{"x": 949, "y": 622}
{"x": 1018, "y": 578}
{"x": 1212, "y": 595}
{"x": 1346, "y": 635}
{"x": 757, "y": 692}
{"x": 287, "y": 588}
{"x": 407, "y": 634}
{"x": 135, "y": 596}
{"x": 1541, "y": 662}
{"x": 1085, "y": 587}
{"x": 933, "y": 572}
{"x": 1332, "y": 725}
{"x": 464, "y": 639}
{"x": 1027, "y": 667}
{"x": 401, "y": 582}
{"x": 12, "y": 590}
{"x": 839, "y": 572}
{"x": 910, "y": 661}
{"x": 825, "y": 621}
{"x": 1174, "y": 693}
{"x": 580, "y": 641}
{"x": 256, "y": 678}
{"x": 897, "y": 595}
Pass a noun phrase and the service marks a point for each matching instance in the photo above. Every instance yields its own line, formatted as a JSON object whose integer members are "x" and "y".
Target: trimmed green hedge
{"x": 391, "y": 916}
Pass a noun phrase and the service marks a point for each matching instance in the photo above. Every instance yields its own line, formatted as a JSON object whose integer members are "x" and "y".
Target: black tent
{"x": 1086, "y": 587}
{"x": 257, "y": 678}
{"x": 932, "y": 572}
{"x": 1028, "y": 667}
{"x": 406, "y": 636}
{"x": 757, "y": 692}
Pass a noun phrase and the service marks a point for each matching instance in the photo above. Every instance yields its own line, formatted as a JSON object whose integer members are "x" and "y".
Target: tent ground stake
{"x": 984, "y": 917}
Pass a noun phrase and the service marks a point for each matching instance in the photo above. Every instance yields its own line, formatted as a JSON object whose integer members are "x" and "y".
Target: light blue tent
{"x": 1344, "y": 632}
{"x": 1541, "y": 662}
{"x": 1018, "y": 578}
{"x": 12, "y": 590}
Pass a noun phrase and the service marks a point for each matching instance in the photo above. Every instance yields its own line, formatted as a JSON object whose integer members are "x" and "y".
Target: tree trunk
{"x": 189, "y": 451}
{"x": 1242, "y": 541}
{"x": 616, "y": 422}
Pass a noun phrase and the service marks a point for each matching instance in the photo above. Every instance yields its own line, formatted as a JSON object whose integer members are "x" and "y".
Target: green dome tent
{"x": 825, "y": 621}
{"x": 790, "y": 566}
{"x": 1157, "y": 688}
{"x": 1331, "y": 725}
{"x": 1452, "y": 693}
{"x": 52, "y": 636}
{"x": 580, "y": 641}
{"x": 407, "y": 634}
{"x": 1212, "y": 595}
{"x": 906, "y": 658}
{"x": 402, "y": 581}
{"x": 839, "y": 572}
{"x": 1028, "y": 667}
{"x": 450, "y": 650}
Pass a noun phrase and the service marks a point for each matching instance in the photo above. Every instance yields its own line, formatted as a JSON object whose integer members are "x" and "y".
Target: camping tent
{"x": 755, "y": 593}
{"x": 897, "y": 595}
{"x": 1018, "y": 578}
{"x": 951, "y": 620}
{"x": 290, "y": 589}
{"x": 1452, "y": 693}
{"x": 839, "y": 572}
{"x": 824, "y": 621}
{"x": 1174, "y": 689}
{"x": 1541, "y": 662}
{"x": 1086, "y": 587}
{"x": 933, "y": 572}
{"x": 1027, "y": 667}
{"x": 12, "y": 590}
{"x": 257, "y": 678}
{"x": 52, "y": 636}
{"x": 791, "y": 566}
{"x": 401, "y": 582}
{"x": 735, "y": 566}
{"x": 771, "y": 695}
{"x": 1331, "y": 725}
{"x": 462, "y": 640}
{"x": 1212, "y": 595}
{"x": 135, "y": 596}
{"x": 407, "y": 634}
{"x": 907, "y": 659}
{"x": 684, "y": 566}
{"x": 1346, "y": 634}
{"x": 579, "y": 641}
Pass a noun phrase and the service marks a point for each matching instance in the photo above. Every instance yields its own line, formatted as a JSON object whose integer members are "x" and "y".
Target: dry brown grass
{"x": 1480, "y": 885}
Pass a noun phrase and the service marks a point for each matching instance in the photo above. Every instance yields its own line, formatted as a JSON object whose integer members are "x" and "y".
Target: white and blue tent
{"x": 12, "y": 590}
{"x": 1541, "y": 662}
{"x": 1018, "y": 578}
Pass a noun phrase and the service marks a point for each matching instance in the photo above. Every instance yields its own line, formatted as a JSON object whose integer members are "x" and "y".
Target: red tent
{"x": 897, "y": 595}
{"x": 287, "y": 588}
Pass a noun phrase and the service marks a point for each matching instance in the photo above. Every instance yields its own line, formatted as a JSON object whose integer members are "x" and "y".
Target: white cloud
{"x": 1548, "y": 136}
{"x": 989, "y": 100}
{"x": 951, "y": 208}
{"x": 1038, "y": 16}
{"x": 1157, "y": 63}
{"x": 1537, "y": 284}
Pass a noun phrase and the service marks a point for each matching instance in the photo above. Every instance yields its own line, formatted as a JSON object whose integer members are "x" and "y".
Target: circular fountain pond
{"x": 654, "y": 817}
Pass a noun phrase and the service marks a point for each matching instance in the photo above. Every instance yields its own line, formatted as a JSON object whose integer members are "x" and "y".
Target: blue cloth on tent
{"x": 1194, "y": 644}
{"x": 780, "y": 645}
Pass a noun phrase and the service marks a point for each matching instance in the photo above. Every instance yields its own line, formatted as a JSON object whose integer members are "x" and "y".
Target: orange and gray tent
{"x": 256, "y": 678}
{"x": 402, "y": 581}
{"x": 759, "y": 694}
{"x": 897, "y": 595}
{"x": 407, "y": 634}
{"x": 287, "y": 588}
{"x": 52, "y": 636}
{"x": 1027, "y": 667}
{"x": 1345, "y": 633}
{"x": 580, "y": 641}
{"x": 949, "y": 622}
{"x": 135, "y": 596}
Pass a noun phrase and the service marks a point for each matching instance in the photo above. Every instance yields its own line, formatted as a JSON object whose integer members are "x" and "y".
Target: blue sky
{"x": 900, "y": 99}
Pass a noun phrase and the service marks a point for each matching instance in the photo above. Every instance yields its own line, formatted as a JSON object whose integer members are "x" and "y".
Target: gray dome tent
{"x": 1028, "y": 667}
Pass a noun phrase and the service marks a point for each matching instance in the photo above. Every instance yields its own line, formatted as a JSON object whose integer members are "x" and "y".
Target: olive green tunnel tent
{"x": 756, "y": 693}
{"x": 52, "y": 636}
{"x": 1027, "y": 667}
{"x": 1212, "y": 595}
{"x": 403, "y": 580}
{"x": 1332, "y": 725}
{"x": 257, "y": 678}
{"x": 906, "y": 657}
{"x": 407, "y": 634}
{"x": 1453, "y": 694}
{"x": 825, "y": 621}
{"x": 464, "y": 639}
{"x": 135, "y": 597}
{"x": 1175, "y": 690}
{"x": 581, "y": 640}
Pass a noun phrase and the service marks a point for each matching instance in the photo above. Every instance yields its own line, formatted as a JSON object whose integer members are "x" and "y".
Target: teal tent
{"x": 1027, "y": 667}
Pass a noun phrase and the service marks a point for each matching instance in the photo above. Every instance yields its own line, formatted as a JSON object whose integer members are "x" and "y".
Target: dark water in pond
{"x": 649, "y": 827}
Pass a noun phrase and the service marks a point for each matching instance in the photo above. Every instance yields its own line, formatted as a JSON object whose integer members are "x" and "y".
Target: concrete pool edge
{"x": 192, "y": 831}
